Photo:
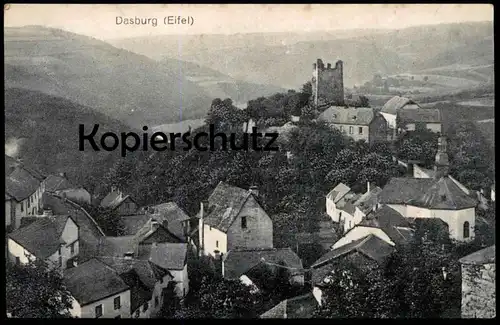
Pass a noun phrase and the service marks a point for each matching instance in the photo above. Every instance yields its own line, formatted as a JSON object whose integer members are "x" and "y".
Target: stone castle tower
{"x": 328, "y": 84}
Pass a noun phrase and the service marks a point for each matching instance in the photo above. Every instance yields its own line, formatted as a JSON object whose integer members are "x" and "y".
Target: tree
{"x": 354, "y": 291}
{"x": 33, "y": 291}
{"x": 227, "y": 299}
{"x": 223, "y": 114}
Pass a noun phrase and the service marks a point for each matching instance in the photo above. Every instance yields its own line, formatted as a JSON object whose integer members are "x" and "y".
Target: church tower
{"x": 442, "y": 164}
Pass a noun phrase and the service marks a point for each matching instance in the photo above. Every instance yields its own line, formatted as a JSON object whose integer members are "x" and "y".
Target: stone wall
{"x": 478, "y": 291}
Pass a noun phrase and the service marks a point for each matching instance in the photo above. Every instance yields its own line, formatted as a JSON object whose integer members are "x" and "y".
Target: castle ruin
{"x": 327, "y": 84}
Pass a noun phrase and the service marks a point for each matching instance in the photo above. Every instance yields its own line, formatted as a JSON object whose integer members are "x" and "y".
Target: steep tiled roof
{"x": 338, "y": 192}
{"x": 444, "y": 194}
{"x": 174, "y": 216}
{"x": 426, "y": 115}
{"x": 42, "y": 237}
{"x": 368, "y": 200}
{"x": 117, "y": 246}
{"x": 169, "y": 256}
{"x": 483, "y": 256}
{"x": 20, "y": 184}
{"x": 351, "y": 115}
{"x": 370, "y": 246}
{"x": 391, "y": 222}
{"x": 296, "y": 307}
{"x": 113, "y": 199}
{"x": 92, "y": 281}
{"x": 170, "y": 211}
{"x": 237, "y": 262}
{"x": 393, "y": 105}
{"x": 55, "y": 183}
{"x": 225, "y": 203}
{"x": 149, "y": 229}
{"x": 90, "y": 234}
{"x": 132, "y": 224}
{"x": 400, "y": 190}
{"x": 141, "y": 276}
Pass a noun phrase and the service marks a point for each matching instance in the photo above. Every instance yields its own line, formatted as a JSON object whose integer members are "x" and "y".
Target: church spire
{"x": 442, "y": 165}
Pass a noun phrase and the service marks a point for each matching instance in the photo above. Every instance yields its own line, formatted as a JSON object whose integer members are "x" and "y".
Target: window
{"x": 341, "y": 128}
{"x": 72, "y": 248}
{"x": 340, "y": 215}
{"x": 145, "y": 307}
{"x": 156, "y": 301}
{"x": 184, "y": 291}
{"x": 217, "y": 243}
{"x": 60, "y": 261}
{"x": 244, "y": 222}
{"x": 210, "y": 228}
{"x": 98, "y": 311}
{"x": 29, "y": 205}
{"x": 466, "y": 230}
{"x": 351, "y": 130}
{"x": 22, "y": 207}
{"x": 137, "y": 313}
{"x": 360, "y": 130}
{"x": 161, "y": 280}
{"x": 18, "y": 260}
{"x": 116, "y": 303}
{"x": 59, "y": 251}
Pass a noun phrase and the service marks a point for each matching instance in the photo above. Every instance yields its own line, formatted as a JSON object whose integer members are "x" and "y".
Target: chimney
{"x": 154, "y": 224}
{"x": 442, "y": 165}
{"x": 74, "y": 263}
{"x": 254, "y": 190}
{"x": 367, "y": 187}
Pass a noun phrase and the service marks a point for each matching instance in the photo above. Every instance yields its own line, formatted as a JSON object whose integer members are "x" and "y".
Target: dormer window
{"x": 243, "y": 222}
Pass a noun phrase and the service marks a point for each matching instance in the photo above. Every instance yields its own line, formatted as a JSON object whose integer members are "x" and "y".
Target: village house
{"x": 297, "y": 307}
{"x": 346, "y": 207}
{"x": 98, "y": 291}
{"x": 148, "y": 284}
{"x": 390, "y": 111}
{"x": 478, "y": 284}
{"x": 23, "y": 193}
{"x": 359, "y": 123}
{"x": 419, "y": 120}
{"x": 336, "y": 197}
{"x": 367, "y": 252}
{"x": 171, "y": 257}
{"x": 438, "y": 197}
{"x": 385, "y": 223}
{"x": 59, "y": 184}
{"x": 263, "y": 268}
{"x": 90, "y": 234}
{"x": 50, "y": 238}
{"x": 116, "y": 201}
{"x": 233, "y": 219}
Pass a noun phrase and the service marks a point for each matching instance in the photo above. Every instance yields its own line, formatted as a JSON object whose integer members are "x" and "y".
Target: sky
{"x": 99, "y": 20}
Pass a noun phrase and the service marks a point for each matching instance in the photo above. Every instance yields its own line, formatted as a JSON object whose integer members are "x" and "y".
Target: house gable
{"x": 251, "y": 228}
